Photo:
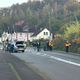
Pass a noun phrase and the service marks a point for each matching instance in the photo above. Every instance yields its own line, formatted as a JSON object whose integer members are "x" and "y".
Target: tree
{"x": 72, "y": 31}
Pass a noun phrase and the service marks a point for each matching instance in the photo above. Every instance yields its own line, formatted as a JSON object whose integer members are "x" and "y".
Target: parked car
{"x": 11, "y": 47}
{"x": 20, "y": 46}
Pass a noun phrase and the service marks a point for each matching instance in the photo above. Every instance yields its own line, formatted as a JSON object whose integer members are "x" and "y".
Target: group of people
{"x": 48, "y": 46}
{"x": 36, "y": 45}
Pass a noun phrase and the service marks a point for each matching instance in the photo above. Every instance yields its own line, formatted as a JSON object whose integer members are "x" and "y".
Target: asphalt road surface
{"x": 12, "y": 68}
{"x": 53, "y": 65}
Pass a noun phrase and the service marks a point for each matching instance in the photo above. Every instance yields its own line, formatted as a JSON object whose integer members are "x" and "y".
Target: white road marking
{"x": 56, "y": 58}
{"x": 15, "y": 72}
{"x": 66, "y": 61}
{"x": 60, "y": 59}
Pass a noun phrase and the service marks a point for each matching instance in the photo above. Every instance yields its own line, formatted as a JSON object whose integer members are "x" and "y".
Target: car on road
{"x": 11, "y": 47}
{"x": 20, "y": 46}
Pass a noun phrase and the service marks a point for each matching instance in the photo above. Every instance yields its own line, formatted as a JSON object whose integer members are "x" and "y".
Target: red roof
{"x": 19, "y": 23}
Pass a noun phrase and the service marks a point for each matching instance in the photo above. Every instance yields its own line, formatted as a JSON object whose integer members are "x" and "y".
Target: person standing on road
{"x": 38, "y": 46}
{"x": 47, "y": 45}
{"x": 67, "y": 45}
{"x": 34, "y": 44}
{"x": 50, "y": 45}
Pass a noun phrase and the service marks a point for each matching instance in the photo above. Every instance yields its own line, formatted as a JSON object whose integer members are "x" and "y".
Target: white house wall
{"x": 0, "y": 40}
{"x": 41, "y": 35}
{"x": 21, "y": 36}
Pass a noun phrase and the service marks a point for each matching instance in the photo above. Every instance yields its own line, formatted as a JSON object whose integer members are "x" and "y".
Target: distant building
{"x": 21, "y": 36}
{"x": 27, "y": 35}
{"x": 5, "y": 36}
{"x": 0, "y": 40}
{"x": 16, "y": 36}
{"x": 43, "y": 34}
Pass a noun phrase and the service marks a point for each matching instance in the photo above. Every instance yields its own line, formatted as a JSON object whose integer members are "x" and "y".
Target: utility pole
{"x": 8, "y": 30}
{"x": 49, "y": 21}
{"x": 50, "y": 25}
{"x": 13, "y": 28}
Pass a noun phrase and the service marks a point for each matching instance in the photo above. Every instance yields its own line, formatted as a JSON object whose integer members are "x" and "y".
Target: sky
{"x": 8, "y": 3}
{"x": 78, "y": 0}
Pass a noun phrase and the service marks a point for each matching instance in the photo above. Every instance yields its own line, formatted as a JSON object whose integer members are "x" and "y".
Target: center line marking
{"x": 15, "y": 72}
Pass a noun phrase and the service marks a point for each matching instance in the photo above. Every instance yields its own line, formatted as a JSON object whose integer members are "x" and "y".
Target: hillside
{"x": 52, "y": 14}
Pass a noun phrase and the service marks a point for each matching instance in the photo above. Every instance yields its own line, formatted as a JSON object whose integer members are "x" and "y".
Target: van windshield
{"x": 20, "y": 42}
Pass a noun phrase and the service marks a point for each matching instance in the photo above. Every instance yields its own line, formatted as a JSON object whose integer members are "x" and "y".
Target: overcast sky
{"x": 8, "y": 3}
{"x": 78, "y": 0}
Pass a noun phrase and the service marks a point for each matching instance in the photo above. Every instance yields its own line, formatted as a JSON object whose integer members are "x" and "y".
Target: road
{"x": 12, "y": 68}
{"x": 53, "y": 65}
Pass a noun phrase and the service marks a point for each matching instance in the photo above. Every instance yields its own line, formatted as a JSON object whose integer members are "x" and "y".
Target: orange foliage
{"x": 77, "y": 40}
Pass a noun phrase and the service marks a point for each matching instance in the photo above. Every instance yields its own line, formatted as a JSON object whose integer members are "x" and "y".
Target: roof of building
{"x": 38, "y": 31}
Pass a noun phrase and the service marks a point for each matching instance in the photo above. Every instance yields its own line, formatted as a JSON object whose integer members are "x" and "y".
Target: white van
{"x": 20, "y": 46}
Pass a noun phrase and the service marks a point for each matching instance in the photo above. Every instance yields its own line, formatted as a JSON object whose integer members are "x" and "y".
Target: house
{"x": 30, "y": 36}
{"x": 5, "y": 36}
{"x": 0, "y": 40}
{"x": 43, "y": 34}
{"x": 21, "y": 36}
{"x": 16, "y": 36}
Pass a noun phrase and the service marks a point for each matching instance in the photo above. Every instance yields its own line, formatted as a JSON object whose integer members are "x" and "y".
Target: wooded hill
{"x": 53, "y": 14}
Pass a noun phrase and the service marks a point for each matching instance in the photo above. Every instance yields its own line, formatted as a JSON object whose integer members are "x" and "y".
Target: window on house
{"x": 46, "y": 33}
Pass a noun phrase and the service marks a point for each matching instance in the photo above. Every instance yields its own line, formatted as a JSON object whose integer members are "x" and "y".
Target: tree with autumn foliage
{"x": 72, "y": 31}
